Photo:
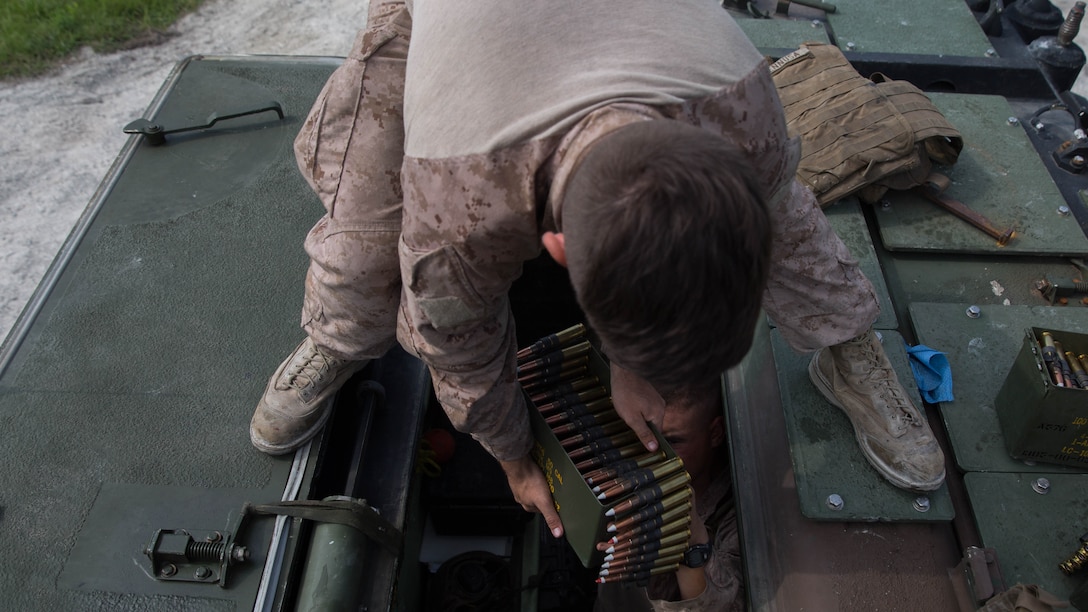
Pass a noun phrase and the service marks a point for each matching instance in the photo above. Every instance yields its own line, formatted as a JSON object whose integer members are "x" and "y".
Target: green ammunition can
{"x": 584, "y": 520}
{"x": 1041, "y": 420}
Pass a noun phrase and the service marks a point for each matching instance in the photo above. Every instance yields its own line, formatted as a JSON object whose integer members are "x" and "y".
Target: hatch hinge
{"x": 186, "y": 555}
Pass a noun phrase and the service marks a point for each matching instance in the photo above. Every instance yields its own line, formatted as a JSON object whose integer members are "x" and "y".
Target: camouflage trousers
{"x": 351, "y": 151}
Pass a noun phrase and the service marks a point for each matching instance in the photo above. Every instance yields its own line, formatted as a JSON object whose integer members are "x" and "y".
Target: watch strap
{"x": 697, "y": 555}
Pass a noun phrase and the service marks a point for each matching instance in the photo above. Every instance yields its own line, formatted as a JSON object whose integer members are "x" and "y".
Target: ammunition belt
{"x": 644, "y": 496}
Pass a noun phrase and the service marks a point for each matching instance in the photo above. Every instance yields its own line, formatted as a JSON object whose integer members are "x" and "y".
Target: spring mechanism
{"x": 215, "y": 552}
{"x": 205, "y": 551}
{"x": 1078, "y": 560}
{"x": 169, "y": 549}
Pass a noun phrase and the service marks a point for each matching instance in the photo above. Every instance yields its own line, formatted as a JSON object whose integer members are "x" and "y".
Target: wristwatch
{"x": 696, "y": 555}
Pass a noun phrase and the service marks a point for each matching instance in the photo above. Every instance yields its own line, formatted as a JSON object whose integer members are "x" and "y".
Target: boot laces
{"x": 309, "y": 369}
{"x": 883, "y": 379}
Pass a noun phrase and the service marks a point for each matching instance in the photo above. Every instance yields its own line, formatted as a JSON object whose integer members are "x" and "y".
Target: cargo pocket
{"x": 440, "y": 288}
{"x": 322, "y": 143}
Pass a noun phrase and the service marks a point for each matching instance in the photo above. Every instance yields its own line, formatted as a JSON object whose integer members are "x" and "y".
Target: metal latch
{"x": 977, "y": 577}
{"x": 156, "y": 132}
{"x": 184, "y": 555}
{"x": 188, "y": 555}
{"x": 343, "y": 511}
{"x": 1055, "y": 293}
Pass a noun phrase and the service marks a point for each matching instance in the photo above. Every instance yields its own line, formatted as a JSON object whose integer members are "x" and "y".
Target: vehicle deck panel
{"x": 127, "y": 387}
{"x": 795, "y": 563}
{"x": 932, "y": 27}
{"x": 929, "y": 27}
{"x": 125, "y": 514}
{"x": 783, "y": 33}
{"x": 980, "y": 352}
{"x": 999, "y": 175}
{"x": 826, "y": 458}
{"x": 1031, "y": 532}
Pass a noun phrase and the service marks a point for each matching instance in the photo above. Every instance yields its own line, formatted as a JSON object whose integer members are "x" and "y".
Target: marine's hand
{"x": 637, "y": 403}
{"x": 531, "y": 491}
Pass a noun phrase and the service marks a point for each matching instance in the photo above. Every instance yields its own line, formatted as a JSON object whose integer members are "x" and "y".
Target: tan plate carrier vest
{"x": 859, "y": 136}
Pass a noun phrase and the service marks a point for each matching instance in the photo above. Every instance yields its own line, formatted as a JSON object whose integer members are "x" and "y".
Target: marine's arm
{"x": 692, "y": 580}
{"x": 474, "y": 379}
{"x": 467, "y": 228}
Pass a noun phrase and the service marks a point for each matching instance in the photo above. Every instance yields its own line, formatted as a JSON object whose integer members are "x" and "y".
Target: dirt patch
{"x": 150, "y": 38}
{"x": 61, "y": 132}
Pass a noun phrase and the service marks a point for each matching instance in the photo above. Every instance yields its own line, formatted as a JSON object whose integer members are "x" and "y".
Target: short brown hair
{"x": 667, "y": 240}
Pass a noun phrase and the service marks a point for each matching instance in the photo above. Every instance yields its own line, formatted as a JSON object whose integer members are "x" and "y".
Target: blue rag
{"x": 932, "y": 373}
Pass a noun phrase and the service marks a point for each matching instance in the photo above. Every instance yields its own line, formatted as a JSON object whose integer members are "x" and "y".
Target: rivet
{"x": 990, "y": 53}
{"x": 1063, "y": 210}
{"x": 834, "y": 501}
{"x": 1080, "y": 135}
{"x": 1014, "y": 121}
{"x": 974, "y": 311}
{"x": 1078, "y": 161}
{"x": 851, "y": 46}
{"x": 1041, "y": 486}
{"x": 1039, "y": 125}
{"x": 921, "y": 503}
{"x": 815, "y": 23}
{"x": 885, "y": 203}
{"x": 202, "y": 572}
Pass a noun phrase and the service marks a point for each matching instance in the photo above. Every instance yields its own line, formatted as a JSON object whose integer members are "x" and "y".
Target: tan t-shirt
{"x": 500, "y": 99}
{"x": 483, "y": 75}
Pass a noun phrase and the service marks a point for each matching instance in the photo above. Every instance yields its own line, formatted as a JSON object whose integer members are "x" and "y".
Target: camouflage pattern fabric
{"x": 1023, "y": 598}
{"x": 349, "y": 150}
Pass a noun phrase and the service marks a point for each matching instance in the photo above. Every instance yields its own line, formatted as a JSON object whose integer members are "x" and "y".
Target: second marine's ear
{"x": 555, "y": 246}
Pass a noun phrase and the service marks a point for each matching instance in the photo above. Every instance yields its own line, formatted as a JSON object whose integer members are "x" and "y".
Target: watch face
{"x": 697, "y": 556}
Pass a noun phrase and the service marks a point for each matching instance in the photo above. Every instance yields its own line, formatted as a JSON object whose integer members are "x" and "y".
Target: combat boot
{"x": 893, "y": 434}
{"x": 298, "y": 399}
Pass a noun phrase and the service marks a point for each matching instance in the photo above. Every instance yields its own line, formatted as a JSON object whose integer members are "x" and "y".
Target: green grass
{"x": 35, "y": 35}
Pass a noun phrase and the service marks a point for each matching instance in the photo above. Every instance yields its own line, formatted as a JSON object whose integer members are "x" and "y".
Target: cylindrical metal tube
{"x": 334, "y": 566}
